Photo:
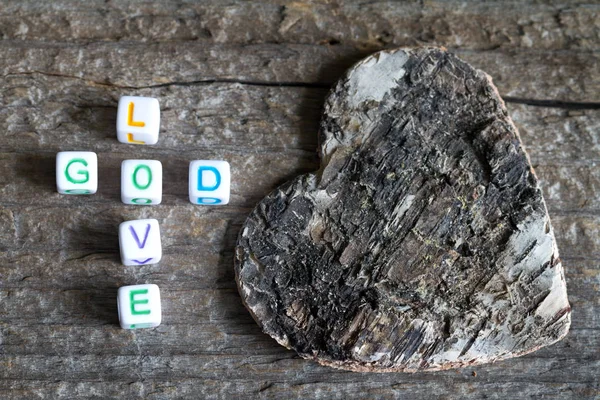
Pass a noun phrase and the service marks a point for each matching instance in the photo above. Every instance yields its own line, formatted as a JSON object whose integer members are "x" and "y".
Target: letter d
{"x": 201, "y": 186}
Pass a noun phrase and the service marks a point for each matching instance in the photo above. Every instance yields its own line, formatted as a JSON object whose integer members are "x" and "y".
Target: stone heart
{"x": 422, "y": 243}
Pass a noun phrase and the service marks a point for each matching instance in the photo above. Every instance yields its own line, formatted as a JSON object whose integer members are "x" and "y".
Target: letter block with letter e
{"x": 139, "y": 241}
{"x": 76, "y": 172}
{"x": 141, "y": 182}
{"x": 139, "y": 306}
{"x": 138, "y": 120}
{"x": 209, "y": 182}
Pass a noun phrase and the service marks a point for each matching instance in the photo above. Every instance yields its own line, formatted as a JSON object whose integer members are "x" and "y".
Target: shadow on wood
{"x": 91, "y": 304}
{"x": 100, "y": 237}
{"x": 39, "y": 170}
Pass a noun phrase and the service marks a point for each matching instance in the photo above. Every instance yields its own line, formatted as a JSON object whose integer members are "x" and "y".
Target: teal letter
{"x": 208, "y": 200}
{"x": 217, "y": 178}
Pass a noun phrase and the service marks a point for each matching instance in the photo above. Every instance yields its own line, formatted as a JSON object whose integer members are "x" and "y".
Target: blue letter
{"x": 208, "y": 200}
{"x": 217, "y": 177}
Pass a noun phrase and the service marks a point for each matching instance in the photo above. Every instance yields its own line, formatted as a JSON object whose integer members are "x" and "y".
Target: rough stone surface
{"x": 422, "y": 243}
{"x": 246, "y": 82}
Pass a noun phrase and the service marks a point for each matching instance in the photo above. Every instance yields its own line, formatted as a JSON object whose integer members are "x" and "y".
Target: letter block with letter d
{"x": 141, "y": 182}
{"x": 76, "y": 172}
{"x": 139, "y": 241}
{"x": 139, "y": 306}
{"x": 209, "y": 182}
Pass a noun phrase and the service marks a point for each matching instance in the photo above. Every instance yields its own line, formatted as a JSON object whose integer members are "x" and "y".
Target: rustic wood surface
{"x": 246, "y": 82}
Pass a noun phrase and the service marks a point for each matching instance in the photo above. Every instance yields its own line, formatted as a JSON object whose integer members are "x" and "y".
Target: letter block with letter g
{"x": 209, "y": 182}
{"x": 76, "y": 172}
{"x": 139, "y": 306}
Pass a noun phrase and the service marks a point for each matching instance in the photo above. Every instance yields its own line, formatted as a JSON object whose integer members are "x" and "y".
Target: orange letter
{"x": 130, "y": 139}
{"x": 130, "y": 120}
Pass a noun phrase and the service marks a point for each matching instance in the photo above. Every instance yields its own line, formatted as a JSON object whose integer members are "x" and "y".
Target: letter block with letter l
{"x": 139, "y": 306}
{"x": 209, "y": 182}
{"x": 76, "y": 172}
{"x": 139, "y": 241}
{"x": 141, "y": 182}
{"x": 138, "y": 120}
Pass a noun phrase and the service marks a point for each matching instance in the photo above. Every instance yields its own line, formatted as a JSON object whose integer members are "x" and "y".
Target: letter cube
{"x": 209, "y": 182}
{"x": 141, "y": 182}
{"x": 139, "y": 306}
{"x": 138, "y": 120}
{"x": 76, "y": 172}
{"x": 139, "y": 241}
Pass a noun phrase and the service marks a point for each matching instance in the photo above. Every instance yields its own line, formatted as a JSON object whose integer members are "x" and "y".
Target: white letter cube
{"x": 139, "y": 306}
{"x": 139, "y": 241}
{"x": 138, "y": 120}
{"x": 209, "y": 182}
{"x": 141, "y": 182}
{"x": 76, "y": 172}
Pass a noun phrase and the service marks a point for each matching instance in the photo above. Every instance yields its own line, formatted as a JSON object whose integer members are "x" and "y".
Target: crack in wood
{"x": 548, "y": 103}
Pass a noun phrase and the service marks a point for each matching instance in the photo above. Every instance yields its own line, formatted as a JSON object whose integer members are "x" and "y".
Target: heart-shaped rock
{"x": 422, "y": 243}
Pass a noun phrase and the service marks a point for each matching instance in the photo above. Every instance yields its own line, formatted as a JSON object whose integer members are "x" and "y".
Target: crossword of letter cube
{"x": 138, "y": 120}
{"x": 139, "y": 241}
{"x": 76, "y": 172}
{"x": 209, "y": 182}
{"x": 139, "y": 306}
{"x": 141, "y": 182}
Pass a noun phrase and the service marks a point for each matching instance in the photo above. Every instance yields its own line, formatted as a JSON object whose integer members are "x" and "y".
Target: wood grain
{"x": 246, "y": 81}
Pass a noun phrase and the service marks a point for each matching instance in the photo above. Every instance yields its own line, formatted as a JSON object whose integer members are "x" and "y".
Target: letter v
{"x": 137, "y": 239}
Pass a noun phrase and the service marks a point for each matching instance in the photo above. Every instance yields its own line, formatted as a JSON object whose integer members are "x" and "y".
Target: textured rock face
{"x": 422, "y": 243}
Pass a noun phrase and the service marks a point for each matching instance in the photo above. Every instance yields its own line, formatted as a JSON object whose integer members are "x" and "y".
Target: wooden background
{"x": 245, "y": 82}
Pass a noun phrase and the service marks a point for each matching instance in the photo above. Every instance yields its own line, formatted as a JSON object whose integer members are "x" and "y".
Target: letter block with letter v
{"x": 209, "y": 182}
{"x": 139, "y": 241}
{"x": 76, "y": 172}
{"x": 139, "y": 306}
{"x": 138, "y": 120}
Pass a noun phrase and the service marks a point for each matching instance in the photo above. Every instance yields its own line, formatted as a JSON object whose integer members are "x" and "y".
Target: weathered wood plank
{"x": 549, "y": 25}
{"x": 566, "y": 75}
{"x": 534, "y": 50}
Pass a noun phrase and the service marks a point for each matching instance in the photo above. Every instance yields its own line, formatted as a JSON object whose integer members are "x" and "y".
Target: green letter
{"x": 134, "y": 302}
{"x": 83, "y": 172}
{"x": 135, "y": 326}
{"x": 135, "y": 171}
{"x": 139, "y": 200}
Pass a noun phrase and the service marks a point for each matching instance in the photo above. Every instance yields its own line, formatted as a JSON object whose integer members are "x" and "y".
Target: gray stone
{"x": 422, "y": 242}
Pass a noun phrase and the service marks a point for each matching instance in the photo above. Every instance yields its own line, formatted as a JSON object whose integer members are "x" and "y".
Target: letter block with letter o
{"x": 139, "y": 306}
{"x": 209, "y": 182}
{"x": 141, "y": 182}
{"x": 138, "y": 120}
{"x": 139, "y": 241}
{"x": 76, "y": 172}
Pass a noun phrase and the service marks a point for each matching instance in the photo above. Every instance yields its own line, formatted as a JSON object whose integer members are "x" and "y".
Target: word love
{"x": 138, "y": 121}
